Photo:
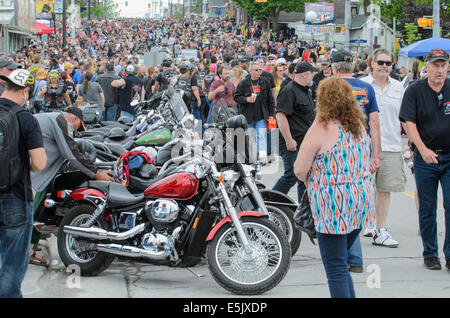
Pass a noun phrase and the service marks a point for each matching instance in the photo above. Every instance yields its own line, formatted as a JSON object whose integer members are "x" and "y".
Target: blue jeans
{"x": 127, "y": 114}
{"x": 258, "y": 132}
{"x": 355, "y": 253}
{"x": 427, "y": 181}
{"x": 211, "y": 107}
{"x": 333, "y": 250}
{"x": 198, "y": 111}
{"x": 288, "y": 180}
{"x": 16, "y": 223}
{"x": 110, "y": 113}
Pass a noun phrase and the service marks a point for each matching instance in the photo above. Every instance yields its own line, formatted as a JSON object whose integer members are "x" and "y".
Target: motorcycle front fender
{"x": 219, "y": 224}
{"x": 270, "y": 197}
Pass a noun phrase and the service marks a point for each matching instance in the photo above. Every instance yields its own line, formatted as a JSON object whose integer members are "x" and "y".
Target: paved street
{"x": 400, "y": 270}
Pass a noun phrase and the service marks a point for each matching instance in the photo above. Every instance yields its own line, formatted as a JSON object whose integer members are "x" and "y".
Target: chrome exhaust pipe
{"x": 131, "y": 251}
{"x": 100, "y": 234}
{"x": 46, "y": 229}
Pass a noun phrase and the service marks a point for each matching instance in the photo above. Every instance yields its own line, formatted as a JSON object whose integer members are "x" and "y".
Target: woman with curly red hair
{"x": 333, "y": 162}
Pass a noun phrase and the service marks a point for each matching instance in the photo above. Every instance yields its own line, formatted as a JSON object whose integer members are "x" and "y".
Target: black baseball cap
{"x": 77, "y": 112}
{"x": 435, "y": 55}
{"x": 8, "y": 63}
{"x": 303, "y": 67}
{"x": 341, "y": 56}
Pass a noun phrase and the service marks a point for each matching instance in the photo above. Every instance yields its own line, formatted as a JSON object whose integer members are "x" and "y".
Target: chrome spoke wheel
{"x": 251, "y": 266}
{"x": 78, "y": 250}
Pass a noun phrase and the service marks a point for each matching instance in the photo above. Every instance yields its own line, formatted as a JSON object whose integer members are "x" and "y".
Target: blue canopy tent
{"x": 421, "y": 48}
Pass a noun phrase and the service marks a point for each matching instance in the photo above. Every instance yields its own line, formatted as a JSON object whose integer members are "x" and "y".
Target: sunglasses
{"x": 388, "y": 63}
{"x": 441, "y": 100}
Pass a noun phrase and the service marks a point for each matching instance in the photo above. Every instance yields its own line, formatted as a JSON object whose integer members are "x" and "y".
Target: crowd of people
{"x": 340, "y": 115}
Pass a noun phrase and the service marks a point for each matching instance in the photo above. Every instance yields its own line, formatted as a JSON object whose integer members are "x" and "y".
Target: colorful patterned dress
{"x": 340, "y": 186}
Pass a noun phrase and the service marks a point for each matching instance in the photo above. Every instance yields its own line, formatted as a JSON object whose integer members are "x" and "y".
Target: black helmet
{"x": 125, "y": 120}
{"x": 116, "y": 133}
{"x": 238, "y": 121}
{"x": 183, "y": 68}
{"x": 166, "y": 63}
{"x": 147, "y": 171}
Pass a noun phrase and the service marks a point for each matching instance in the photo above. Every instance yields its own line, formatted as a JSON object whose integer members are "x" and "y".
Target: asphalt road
{"x": 388, "y": 272}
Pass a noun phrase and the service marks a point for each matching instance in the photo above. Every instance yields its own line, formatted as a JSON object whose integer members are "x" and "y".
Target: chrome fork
{"x": 234, "y": 217}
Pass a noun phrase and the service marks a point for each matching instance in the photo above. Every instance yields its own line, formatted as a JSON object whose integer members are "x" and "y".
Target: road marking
{"x": 412, "y": 195}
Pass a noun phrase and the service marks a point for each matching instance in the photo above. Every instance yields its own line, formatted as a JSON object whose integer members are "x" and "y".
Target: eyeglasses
{"x": 259, "y": 70}
{"x": 388, "y": 63}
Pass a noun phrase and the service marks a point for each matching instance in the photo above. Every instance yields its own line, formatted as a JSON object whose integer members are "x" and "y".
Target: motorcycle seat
{"x": 119, "y": 196}
{"x": 102, "y": 186}
{"x": 138, "y": 184}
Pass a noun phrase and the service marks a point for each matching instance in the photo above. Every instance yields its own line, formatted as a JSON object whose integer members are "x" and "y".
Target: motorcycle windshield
{"x": 179, "y": 107}
{"x": 220, "y": 113}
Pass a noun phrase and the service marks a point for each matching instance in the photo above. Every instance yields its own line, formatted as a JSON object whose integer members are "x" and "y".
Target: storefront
{"x": 16, "y": 25}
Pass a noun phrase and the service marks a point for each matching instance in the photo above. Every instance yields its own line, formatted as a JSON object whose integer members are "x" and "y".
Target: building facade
{"x": 17, "y": 24}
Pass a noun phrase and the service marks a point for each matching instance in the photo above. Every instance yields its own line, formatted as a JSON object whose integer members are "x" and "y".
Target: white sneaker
{"x": 369, "y": 232}
{"x": 383, "y": 238}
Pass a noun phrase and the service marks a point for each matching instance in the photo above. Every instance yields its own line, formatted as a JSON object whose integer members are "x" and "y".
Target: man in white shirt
{"x": 390, "y": 177}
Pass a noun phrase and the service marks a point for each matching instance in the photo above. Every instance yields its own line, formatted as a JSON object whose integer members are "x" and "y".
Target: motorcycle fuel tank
{"x": 156, "y": 137}
{"x": 179, "y": 186}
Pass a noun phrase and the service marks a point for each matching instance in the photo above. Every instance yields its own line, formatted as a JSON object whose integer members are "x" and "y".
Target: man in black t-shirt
{"x": 16, "y": 210}
{"x": 295, "y": 114}
{"x": 164, "y": 78}
{"x": 257, "y": 104}
{"x": 131, "y": 89}
{"x": 425, "y": 110}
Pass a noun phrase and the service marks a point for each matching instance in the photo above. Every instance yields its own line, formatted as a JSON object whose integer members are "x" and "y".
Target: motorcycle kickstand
{"x": 195, "y": 274}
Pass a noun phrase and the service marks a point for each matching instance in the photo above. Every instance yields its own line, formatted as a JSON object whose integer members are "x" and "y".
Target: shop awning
{"x": 43, "y": 29}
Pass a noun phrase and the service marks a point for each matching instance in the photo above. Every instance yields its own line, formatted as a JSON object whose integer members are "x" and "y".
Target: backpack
{"x": 12, "y": 164}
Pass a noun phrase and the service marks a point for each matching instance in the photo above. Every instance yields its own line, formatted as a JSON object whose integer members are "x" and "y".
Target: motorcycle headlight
{"x": 228, "y": 177}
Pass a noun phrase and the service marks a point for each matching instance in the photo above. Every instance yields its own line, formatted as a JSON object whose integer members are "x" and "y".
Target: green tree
{"x": 271, "y": 9}
{"x": 412, "y": 34}
{"x": 408, "y": 11}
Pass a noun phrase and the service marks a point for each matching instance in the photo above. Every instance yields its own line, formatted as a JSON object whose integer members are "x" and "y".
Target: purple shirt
{"x": 228, "y": 98}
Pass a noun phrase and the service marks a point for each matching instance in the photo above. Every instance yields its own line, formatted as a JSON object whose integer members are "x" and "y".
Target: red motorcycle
{"x": 179, "y": 219}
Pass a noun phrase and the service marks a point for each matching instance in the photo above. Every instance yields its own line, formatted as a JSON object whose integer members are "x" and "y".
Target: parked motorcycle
{"x": 172, "y": 223}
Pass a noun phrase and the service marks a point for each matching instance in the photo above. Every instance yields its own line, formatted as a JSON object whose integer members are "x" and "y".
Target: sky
{"x": 136, "y": 8}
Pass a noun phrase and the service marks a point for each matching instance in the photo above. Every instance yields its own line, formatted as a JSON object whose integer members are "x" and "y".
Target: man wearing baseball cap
{"x": 7, "y": 65}
{"x": 16, "y": 199}
{"x": 58, "y": 129}
{"x": 295, "y": 114}
{"x": 425, "y": 110}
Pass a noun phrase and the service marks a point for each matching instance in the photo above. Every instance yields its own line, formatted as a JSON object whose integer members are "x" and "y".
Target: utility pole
{"x": 64, "y": 24}
{"x": 89, "y": 9}
{"x": 348, "y": 24}
{"x": 436, "y": 18}
{"x": 371, "y": 28}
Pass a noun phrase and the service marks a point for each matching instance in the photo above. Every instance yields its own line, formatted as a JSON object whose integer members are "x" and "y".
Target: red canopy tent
{"x": 43, "y": 29}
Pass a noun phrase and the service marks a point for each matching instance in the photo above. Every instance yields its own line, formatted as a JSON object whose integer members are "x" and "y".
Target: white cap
{"x": 20, "y": 77}
{"x": 130, "y": 69}
{"x": 281, "y": 61}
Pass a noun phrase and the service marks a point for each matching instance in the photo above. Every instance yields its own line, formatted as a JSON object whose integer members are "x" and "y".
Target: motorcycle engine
{"x": 162, "y": 211}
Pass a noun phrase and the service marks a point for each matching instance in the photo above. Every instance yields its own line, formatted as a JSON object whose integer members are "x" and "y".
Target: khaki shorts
{"x": 391, "y": 175}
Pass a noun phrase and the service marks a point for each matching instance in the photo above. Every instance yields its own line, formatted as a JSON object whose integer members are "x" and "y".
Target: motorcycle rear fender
{"x": 270, "y": 197}
{"x": 216, "y": 227}
{"x": 88, "y": 194}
